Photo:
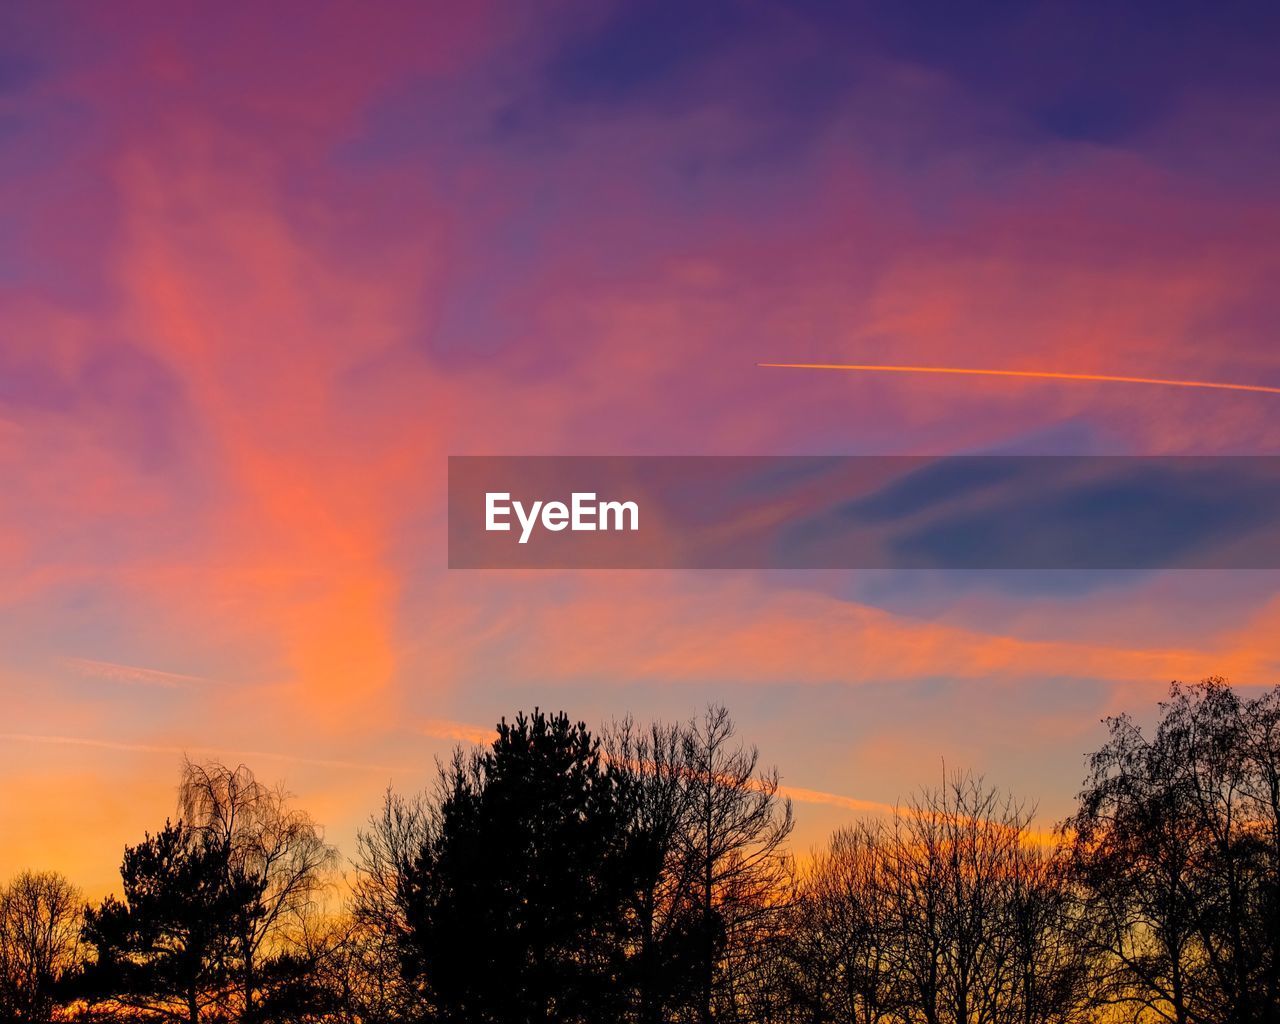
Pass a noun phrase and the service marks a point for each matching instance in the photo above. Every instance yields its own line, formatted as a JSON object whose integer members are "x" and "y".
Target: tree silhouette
{"x": 951, "y": 913}
{"x": 387, "y": 853}
{"x": 842, "y": 931}
{"x": 39, "y": 935}
{"x": 669, "y": 926}
{"x": 275, "y": 847}
{"x": 646, "y": 879}
{"x": 737, "y": 844}
{"x": 169, "y": 948}
{"x": 517, "y": 902}
{"x": 1177, "y": 855}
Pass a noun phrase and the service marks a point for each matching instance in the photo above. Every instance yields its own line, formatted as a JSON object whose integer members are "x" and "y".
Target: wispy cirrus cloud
{"x": 201, "y": 750}
{"x": 131, "y": 675}
{"x": 443, "y": 729}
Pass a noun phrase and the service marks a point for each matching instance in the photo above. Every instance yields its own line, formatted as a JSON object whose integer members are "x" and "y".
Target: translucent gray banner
{"x": 864, "y": 512}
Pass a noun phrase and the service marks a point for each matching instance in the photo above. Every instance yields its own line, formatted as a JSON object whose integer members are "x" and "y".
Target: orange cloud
{"x": 676, "y": 629}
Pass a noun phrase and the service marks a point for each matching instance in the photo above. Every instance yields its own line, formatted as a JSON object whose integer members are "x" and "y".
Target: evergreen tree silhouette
{"x": 517, "y": 905}
{"x": 168, "y": 948}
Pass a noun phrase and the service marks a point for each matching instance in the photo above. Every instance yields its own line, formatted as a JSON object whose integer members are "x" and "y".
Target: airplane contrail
{"x": 1035, "y": 374}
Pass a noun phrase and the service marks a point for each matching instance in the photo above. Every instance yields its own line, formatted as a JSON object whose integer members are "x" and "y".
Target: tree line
{"x": 645, "y": 874}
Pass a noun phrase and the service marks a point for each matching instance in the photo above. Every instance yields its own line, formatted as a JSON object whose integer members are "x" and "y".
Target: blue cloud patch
{"x": 1017, "y": 512}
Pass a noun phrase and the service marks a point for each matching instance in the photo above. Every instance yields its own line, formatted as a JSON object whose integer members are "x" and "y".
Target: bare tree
{"x": 1176, "y": 849}
{"x": 1260, "y": 800}
{"x": 268, "y": 841}
{"x": 737, "y": 841}
{"x": 659, "y": 802}
{"x": 386, "y": 850}
{"x": 1053, "y": 973}
{"x": 843, "y": 930}
{"x": 953, "y": 913}
{"x": 974, "y": 927}
{"x": 39, "y": 937}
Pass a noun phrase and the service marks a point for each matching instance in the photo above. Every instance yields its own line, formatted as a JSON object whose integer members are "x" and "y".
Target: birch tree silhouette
{"x": 1177, "y": 855}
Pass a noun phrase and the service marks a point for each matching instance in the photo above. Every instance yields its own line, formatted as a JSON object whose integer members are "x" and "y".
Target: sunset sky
{"x": 264, "y": 267}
